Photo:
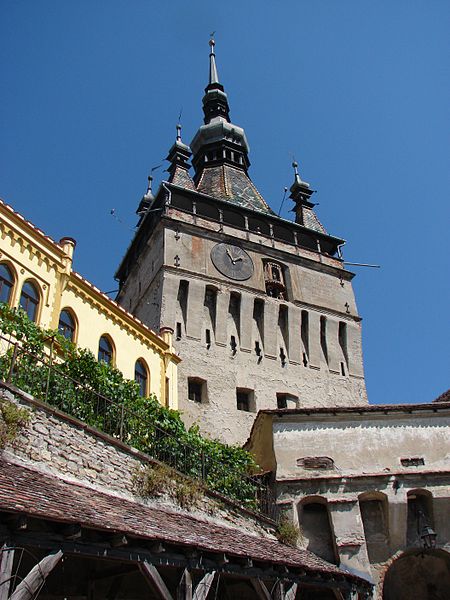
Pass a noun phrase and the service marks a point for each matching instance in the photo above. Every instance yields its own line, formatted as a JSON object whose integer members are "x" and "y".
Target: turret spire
{"x": 146, "y": 200}
{"x": 301, "y": 193}
{"x": 178, "y": 157}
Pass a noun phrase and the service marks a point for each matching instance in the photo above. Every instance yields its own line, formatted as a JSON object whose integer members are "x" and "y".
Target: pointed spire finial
{"x": 297, "y": 175}
{"x": 213, "y": 76}
{"x": 149, "y": 185}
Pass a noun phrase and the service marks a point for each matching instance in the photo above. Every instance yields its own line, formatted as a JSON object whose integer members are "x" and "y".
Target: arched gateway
{"x": 418, "y": 574}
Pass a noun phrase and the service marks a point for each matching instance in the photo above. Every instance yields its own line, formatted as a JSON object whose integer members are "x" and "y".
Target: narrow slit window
{"x": 323, "y": 337}
{"x": 305, "y": 333}
{"x": 342, "y": 334}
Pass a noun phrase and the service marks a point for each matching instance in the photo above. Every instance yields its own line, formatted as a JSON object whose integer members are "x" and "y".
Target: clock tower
{"x": 262, "y": 308}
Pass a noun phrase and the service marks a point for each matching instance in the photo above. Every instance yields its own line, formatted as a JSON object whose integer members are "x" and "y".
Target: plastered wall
{"x": 366, "y": 451}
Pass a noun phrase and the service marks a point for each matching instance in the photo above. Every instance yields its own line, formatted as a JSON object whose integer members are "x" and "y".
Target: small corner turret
{"x": 301, "y": 193}
{"x": 146, "y": 200}
{"x": 178, "y": 157}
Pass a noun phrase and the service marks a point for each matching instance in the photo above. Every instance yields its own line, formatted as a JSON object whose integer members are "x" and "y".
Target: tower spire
{"x": 213, "y": 76}
{"x": 215, "y": 101}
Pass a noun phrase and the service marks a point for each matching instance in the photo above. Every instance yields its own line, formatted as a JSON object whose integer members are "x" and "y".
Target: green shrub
{"x": 156, "y": 480}
{"x": 98, "y": 394}
{"x": 12, "y": 420}
{"x": 287, "y": 533}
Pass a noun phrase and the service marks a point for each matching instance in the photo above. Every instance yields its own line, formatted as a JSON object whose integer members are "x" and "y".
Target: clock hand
{"x": 229, "y": 254}
{"x": 236, "y": 259}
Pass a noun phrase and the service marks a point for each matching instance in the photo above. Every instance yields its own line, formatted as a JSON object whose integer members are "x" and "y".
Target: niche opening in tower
{"x": 197, "y": 390}
{"x": 275, "y": 280}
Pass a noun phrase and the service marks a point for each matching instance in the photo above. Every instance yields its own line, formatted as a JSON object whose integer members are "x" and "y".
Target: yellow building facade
{"x": 36, "y": 273}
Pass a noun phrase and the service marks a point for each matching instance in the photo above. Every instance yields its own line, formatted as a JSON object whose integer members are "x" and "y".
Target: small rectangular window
{"x": 196, "y": 390}
{"x": 178, "y": 331}
{"x": 208, "y": 338}
{"x": 244, "y": 400}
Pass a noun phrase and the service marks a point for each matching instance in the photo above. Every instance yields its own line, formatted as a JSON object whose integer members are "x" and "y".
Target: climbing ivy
{"x": 98, "y": 394}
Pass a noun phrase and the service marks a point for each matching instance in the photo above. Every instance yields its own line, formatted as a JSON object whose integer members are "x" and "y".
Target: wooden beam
{"x": 278, "y": 591}
{"x": 152, "y": 575}
{"x": 184, "y": 591}
{"x": 291, "y": 592}
{"x": 6, "y": 564}
{"x": 261, "y": 591}
{"x": 35, "y": 579}
{"x": 203, "y": 587}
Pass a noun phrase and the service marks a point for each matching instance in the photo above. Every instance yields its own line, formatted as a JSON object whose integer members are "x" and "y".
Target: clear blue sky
{"x": 357, "y": 90}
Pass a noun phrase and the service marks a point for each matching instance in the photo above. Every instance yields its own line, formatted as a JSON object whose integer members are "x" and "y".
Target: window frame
{"x": 250, "y": 399}
{"x": 140, "y": 361}
{"x": 13, "y": 282}
{"x": 38, "y": 302}
{"x": 108, "y": 338}
{"x": 196, "y": 381}
{"x": 72, "y": 315}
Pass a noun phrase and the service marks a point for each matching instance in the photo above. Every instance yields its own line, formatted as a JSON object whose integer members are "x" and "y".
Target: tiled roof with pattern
{"x": 311, "y": 221}
{"x": 182, "y": 178}
{"x": 26, "y": 490}
{"x": 228, "y": 183}
{"x": 445, "y": 397}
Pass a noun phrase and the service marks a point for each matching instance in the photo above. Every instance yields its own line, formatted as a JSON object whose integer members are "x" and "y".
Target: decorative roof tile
{"x": 232, "y": 184}
{"x": 182, "y": 178}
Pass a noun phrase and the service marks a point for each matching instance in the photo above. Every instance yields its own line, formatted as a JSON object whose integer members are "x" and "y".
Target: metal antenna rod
{"x": 361, "y": 265}
{"x": 282, "y": 202}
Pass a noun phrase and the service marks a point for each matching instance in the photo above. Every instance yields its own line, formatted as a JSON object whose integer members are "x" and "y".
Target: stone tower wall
{"x": 190, "y": 295}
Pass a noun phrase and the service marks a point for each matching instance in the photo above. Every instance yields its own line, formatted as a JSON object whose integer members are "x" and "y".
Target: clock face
{"x": 232, "y": 261}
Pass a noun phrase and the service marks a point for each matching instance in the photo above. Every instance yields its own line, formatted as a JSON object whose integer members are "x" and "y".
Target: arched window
{"x": 6, "y": 283}
{"x": 29, "y": 300}
{"x": 316, "y": 525}
{"x": 141, "y": 377}
{"x": 374, "y": 515}
{"x": 420, "y": 515}
{"x": 105, "y": 350}
{"x": 66, "y": 325}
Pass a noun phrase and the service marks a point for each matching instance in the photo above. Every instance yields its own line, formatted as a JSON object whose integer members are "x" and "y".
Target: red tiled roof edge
{"x": 373, "y": 408}
{"x": 26, "y": 490}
